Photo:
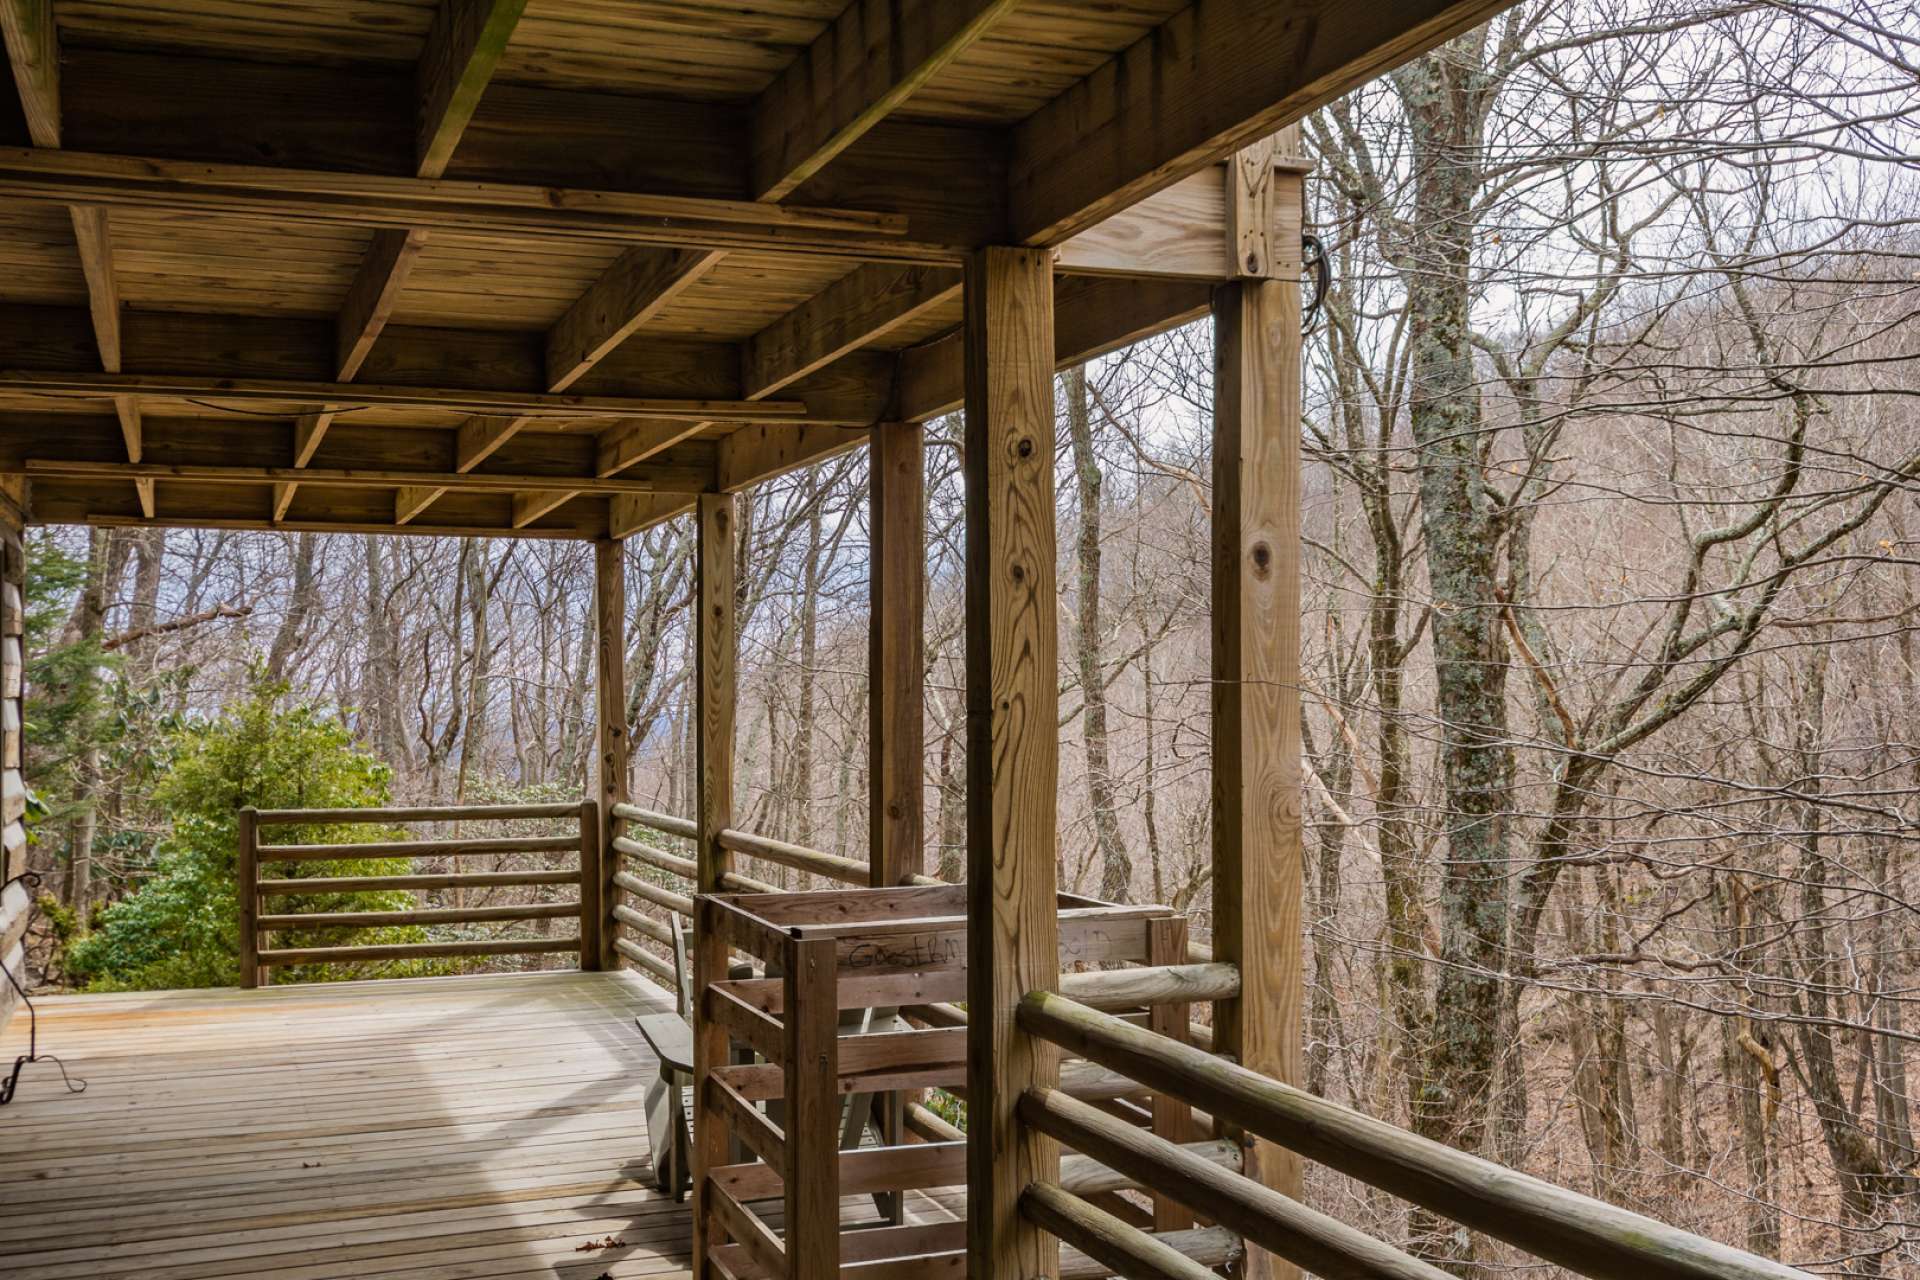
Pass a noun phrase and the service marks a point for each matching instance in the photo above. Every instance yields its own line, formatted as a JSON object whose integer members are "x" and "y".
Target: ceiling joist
{"x": 495, "y": 208}
{"x": 106, "y": 386}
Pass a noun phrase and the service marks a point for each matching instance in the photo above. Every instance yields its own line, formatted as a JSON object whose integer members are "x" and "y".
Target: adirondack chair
{"x": 669, "y": 1127}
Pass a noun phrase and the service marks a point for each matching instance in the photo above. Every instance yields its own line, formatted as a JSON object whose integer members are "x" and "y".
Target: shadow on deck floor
{"x": 424, "y": 1129}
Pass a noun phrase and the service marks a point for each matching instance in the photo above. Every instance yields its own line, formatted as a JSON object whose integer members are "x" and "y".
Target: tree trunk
{"x": 1116, "y": 867}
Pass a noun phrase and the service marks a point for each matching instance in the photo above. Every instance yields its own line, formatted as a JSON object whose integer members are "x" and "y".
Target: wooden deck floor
{"x": 425, "y": 1129}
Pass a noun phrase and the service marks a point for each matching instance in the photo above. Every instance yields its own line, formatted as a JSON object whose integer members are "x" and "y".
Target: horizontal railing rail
{"x": 258, "y": 922}
{"x": 1588, "y": 1237}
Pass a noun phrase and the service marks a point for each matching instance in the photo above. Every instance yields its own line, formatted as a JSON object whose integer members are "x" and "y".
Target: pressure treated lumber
{"x": 1012, "y": 746}
{"x": 1126, "y": 1250}
{"x": 1322, "y": 1245}
{"x": 418, "y": 951}
{"x": 413, "y": 813}
{"x": 1255, "y": 667}
{"x": 896, "y": 660}
{"x": 799, "y": 857}
{"x": 415, "y": 883}
{"x": 1587, "y": 1236}
{"x": 415, "y": 848}
{"x": 1212, "y": 78}
{"x": 611, "y": 763}
{"x": 666, "y": 824}
{"x": 506, "y": 209}
{"x": 868, "y": 62}
{"x": 420, "y": 916}
{"x": 105, "y": 386}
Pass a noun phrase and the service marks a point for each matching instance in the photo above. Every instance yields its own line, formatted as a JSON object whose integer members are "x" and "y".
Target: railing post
{"x": 246, "y": 874}
{"x": 1256, "y": 669}
{"x": 610, "y": 691}
{"x": 1013, "y": 749}
{"x": 595, "y": 904}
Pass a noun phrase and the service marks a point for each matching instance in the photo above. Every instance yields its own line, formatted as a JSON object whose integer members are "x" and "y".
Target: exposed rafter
{"x": 634, "y": 442}
{"x": 565, "y": 408}
{"x": 493, "y": 208}
{"x": 463, "y": 47}
{"x": 628, "y": 514}
{"x": 849, "y": 314}
{"x": 862, "y": 67}
{"x": 753, "y": 454}
{"x": 671, "y": 479}
{"x": 627, "y": 295}
{"x": 33, "y": 53}
{"x": 1212, "y": 78}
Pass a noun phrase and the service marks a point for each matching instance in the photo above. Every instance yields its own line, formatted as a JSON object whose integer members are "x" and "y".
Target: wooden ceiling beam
{"x": 679, "y": 478}
{"x": 33, "y": 50}
{"x": 565, "y": 408}
{"x": 1213, "y": 78}
{"x": 33, "y": 53}
{"x": 1092, "y": 316}
{"x": 634, "y": 442}
{"x": 628, "y": 514}
{"x": 753, "y": 454}
{"x": 869, "y": 61}
{"x": 67, "y": 513}
{"x": 855, "y": 310}
{"x": 505, "y": 209}
{"x": 639, "y": 284}
{"x": 463, "y": 47}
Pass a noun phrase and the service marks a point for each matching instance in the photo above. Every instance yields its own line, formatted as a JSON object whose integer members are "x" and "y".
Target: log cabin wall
{"x": 14, "y": 898}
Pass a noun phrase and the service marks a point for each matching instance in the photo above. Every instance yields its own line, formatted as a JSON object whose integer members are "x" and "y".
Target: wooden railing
{"x": 258, "y": 922}
{"x": 1586, "y": 1236}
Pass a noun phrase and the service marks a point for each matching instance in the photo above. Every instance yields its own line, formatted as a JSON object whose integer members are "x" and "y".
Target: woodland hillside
{"x": 1612, "y": 586}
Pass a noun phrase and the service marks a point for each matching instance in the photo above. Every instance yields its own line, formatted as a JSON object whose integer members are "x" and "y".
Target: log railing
{"x": 1586, "y": 1236}
{"x": 258, "y": 891}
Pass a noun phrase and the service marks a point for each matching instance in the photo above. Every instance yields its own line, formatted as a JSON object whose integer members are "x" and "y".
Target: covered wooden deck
{"x": 428, "y": 1129}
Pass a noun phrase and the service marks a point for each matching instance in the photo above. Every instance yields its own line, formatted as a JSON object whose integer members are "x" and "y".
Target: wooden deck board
{"x": 427, "y": 1129}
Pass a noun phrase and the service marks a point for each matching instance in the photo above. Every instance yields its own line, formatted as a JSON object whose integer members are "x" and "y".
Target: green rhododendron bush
{"x": 181, "y": 927}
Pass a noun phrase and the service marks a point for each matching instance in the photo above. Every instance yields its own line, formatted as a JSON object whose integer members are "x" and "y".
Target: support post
{"x": 1256, "y": 687}
{"x": 246, "y": 874}
{"x": 714, "y": 647}
{"x": 1013, "y": 748}
{"x": 896, "y": 663}
{"x": 596, "y": 916}
{"x": 610, "y": 640}
{"x": 714, "y": 644}
{"x": 812, "y": 1118}
{"x": 897, "y": 693}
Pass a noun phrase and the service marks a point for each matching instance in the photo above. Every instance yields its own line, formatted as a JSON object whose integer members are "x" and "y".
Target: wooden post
{"x": 709, "y": 1051}
{"x": 1256, "y": 677}
{"x": 896, "y": 665}
{"x": 897, "y": 695}
{"x": 246, "y": 874}
{"x": 1172, "y": 1118}
{"x": 714, "y": 644}
{"x": 1013, "y": 750}
{"x": 713, "y": 765}
{"x": 595, "y": 906}
{"x": 610, "y": 638}
{"x": 812, "y": 1119}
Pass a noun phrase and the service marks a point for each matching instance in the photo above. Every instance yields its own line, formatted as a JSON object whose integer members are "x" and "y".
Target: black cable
{"x": 1313, "y": 258}
{"x": 12, "y": 1083}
